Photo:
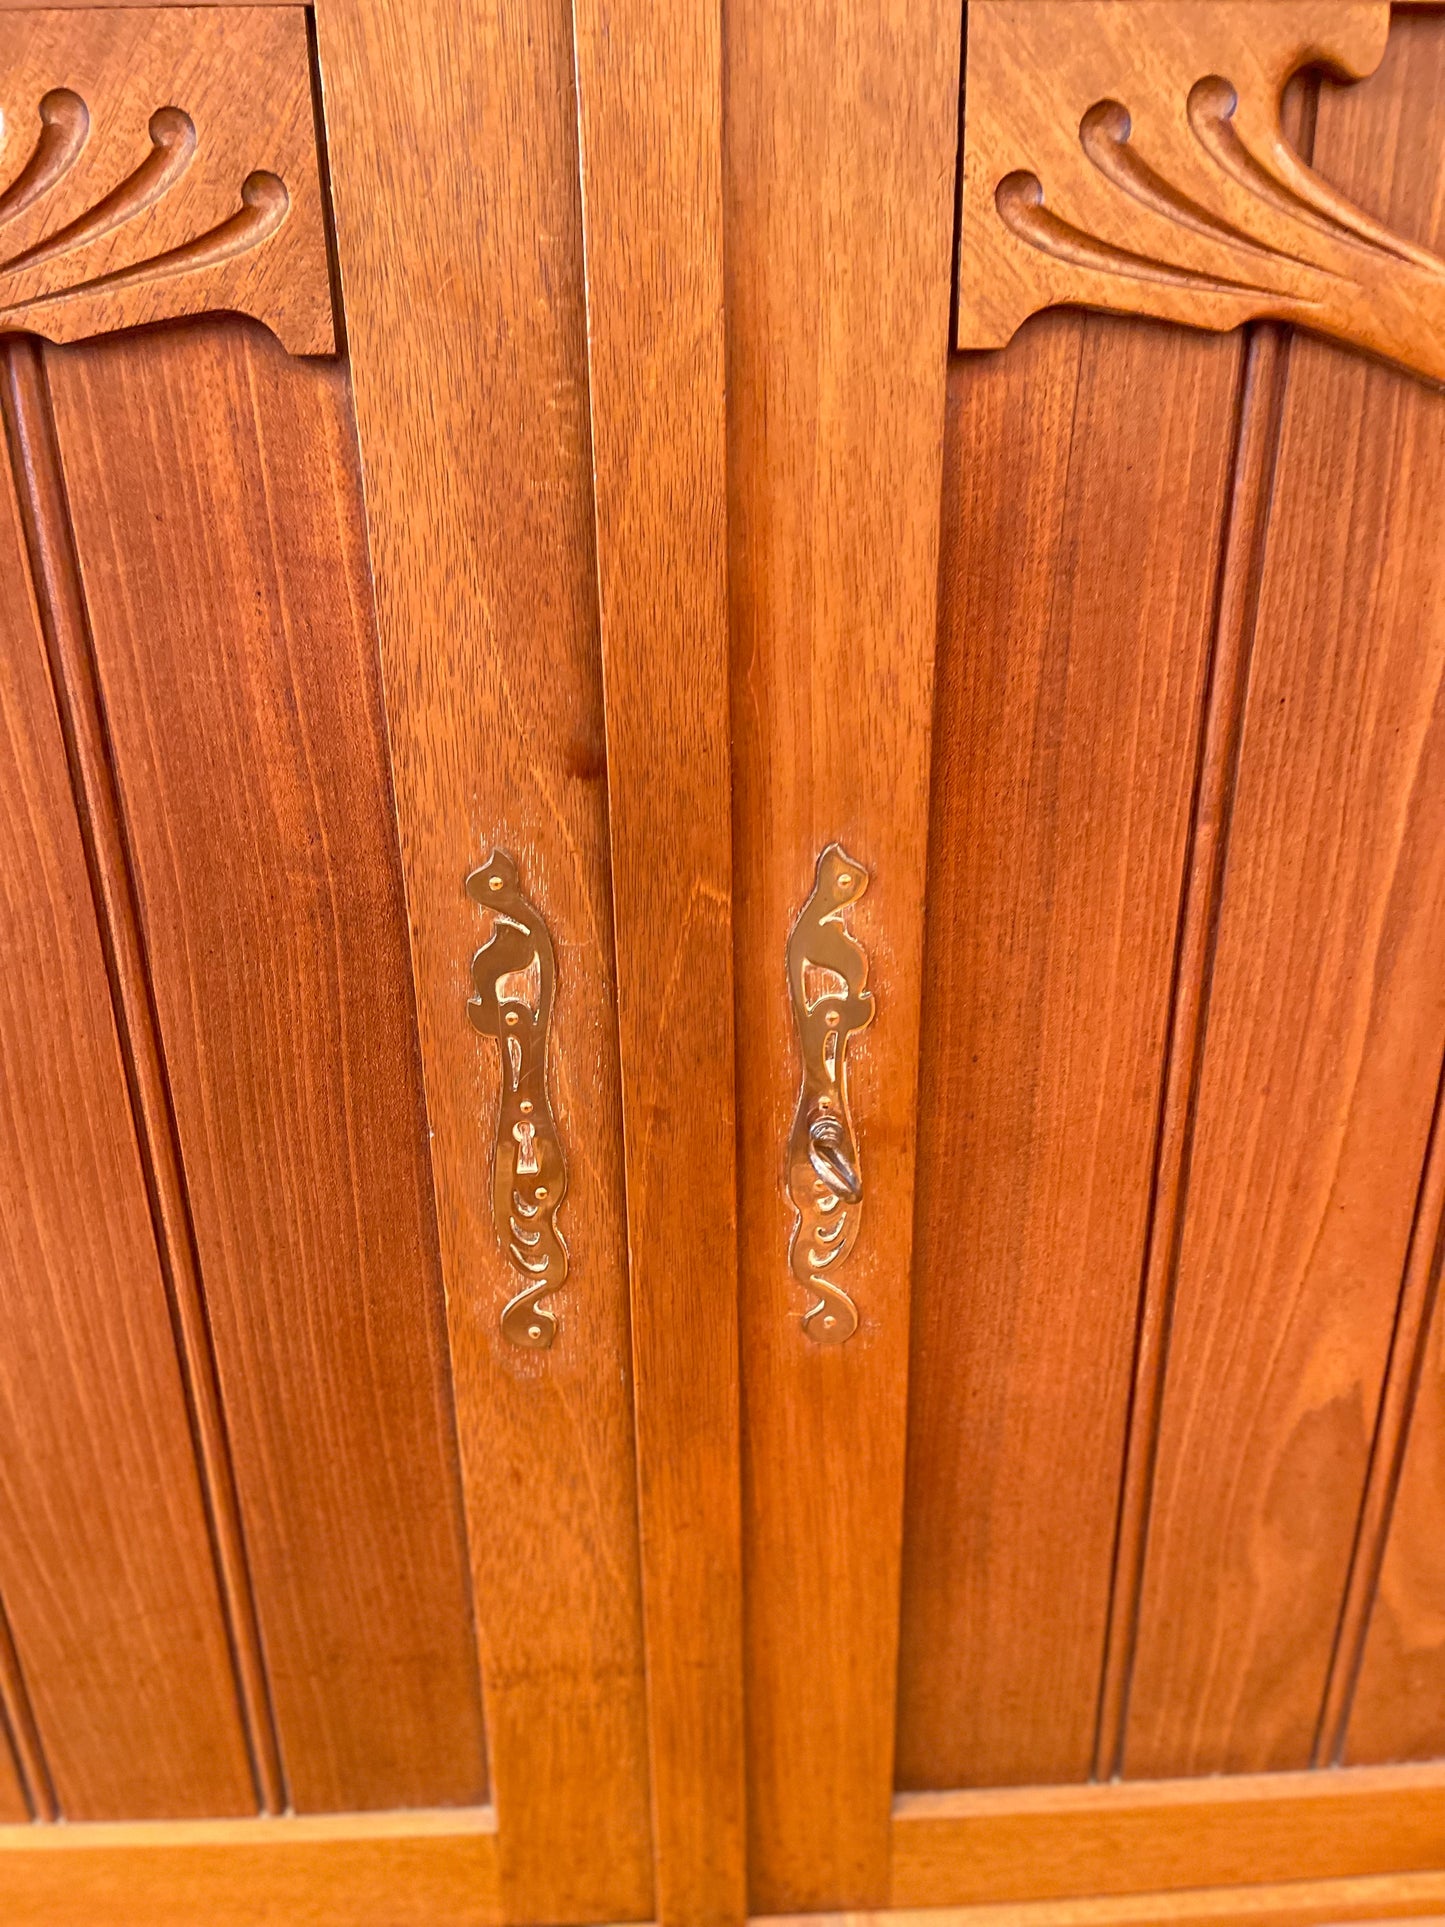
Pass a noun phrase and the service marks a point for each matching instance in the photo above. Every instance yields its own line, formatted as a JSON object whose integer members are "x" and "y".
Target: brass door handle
{"x": 827, "y": 975}
{"x": 514, "y": 975}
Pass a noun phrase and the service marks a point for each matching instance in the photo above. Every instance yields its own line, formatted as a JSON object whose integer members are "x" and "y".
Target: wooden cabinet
{"x": 723, "y": 877}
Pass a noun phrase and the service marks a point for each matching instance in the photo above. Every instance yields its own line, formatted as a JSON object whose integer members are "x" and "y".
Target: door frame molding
{"x": 1350, "y": 1843}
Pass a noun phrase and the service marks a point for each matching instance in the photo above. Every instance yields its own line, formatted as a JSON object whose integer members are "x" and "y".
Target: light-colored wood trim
{"x": 435, "y": 1868}
{"x": 452, "y": 142}
{"x": 650, "y": 97}
{"x": 841, "y": 141}
{"x": 1035, "y": 1843}
{"x": 1278, "y": 1850}
{"x": 114, "y": 6}
{"x": 1400, "y": 1899}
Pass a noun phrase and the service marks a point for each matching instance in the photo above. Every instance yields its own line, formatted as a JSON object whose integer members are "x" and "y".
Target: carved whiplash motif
{"x": 827, "y": 977}
{"x": 514, "y": 976}
{"x": 157, "y": 163}
{"x": 1129, "y": 155}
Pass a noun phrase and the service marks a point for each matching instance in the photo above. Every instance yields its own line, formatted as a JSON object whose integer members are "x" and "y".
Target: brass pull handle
{"x": 827, "y": 975}
{"x": 514, "y": 975}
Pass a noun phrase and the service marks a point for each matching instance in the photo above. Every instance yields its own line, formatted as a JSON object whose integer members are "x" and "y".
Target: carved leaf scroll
{"x": 160, "y": 162}
{"x": 1129, "y": 155}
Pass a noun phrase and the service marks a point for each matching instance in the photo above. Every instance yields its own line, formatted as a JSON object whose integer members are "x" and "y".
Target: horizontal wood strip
{"x": 424, "y": 1868}
{"x": 68, "y": 6}
{"x": 955, "y": 1849}
{"x": 1294, "y": 1903}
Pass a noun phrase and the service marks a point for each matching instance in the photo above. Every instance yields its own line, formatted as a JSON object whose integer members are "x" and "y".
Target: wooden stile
{"x": 650, "y": 85}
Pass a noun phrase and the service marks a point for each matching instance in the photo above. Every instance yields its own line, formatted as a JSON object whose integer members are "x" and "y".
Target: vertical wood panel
{"x": 841, "y": 139}
{"x": 1266, "y": 362}
{"x": 1389, "y": 1671}
{"x": 26, "y": 1789}
{"x": 650, "y": 84}
{"x": 453, "y": 146}
{"x": 105, "y": 1565}
{"x": 213, "y": 486}
{"x": 56, "y": 571}
{"x": 1326, "y": 1025}
{"x": 1086, "y": 473}
{"x": 1397, "y": 1709}
{"x": 13, "y": 1805}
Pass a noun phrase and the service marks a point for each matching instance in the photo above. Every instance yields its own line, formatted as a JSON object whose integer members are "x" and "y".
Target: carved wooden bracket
{"x": 159, "y": 162}
{"x": 1128, "y": 155}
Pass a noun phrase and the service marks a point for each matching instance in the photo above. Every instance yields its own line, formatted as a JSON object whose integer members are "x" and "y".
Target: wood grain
{"x": 841, "y": 136}
{"x": 1388, "y": 1680}
{"x": 26, "y": 1792}
{"x": 1256, "y": 451}
{"x": 650, "y": 95}
{"x": 1326, "y": 1028}
{"x": 105, "y": 1565}
{"x": 1403, "y": 1899}
{"x": 1396, "y": 1711}
{"x": 1038, "y": 1843}
{"x": 1086, "y": 473}
{"x": 468, "y": 339}
{"x": 1132, "y": 158}
{"x": 213, "y": 484}
{"x": 419, "y": 1869}
{"x": 161, "y": 163}
{"x": 1401, "y": 1713}
{"x": 56, "y": 575}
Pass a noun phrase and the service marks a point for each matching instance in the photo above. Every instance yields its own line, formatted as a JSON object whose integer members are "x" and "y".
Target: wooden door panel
{"x": 1325, "y": 1025}
{"x": 1398, "y": 1700}
{"x": 105, "y": 1562}
{"x": 1086, "y": 475}
{"x": 215, "y": 495}
{"x": 1398, "y": 1710}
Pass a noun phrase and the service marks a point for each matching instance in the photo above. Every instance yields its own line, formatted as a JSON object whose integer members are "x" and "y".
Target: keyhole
{"x": 526, "y": 1135}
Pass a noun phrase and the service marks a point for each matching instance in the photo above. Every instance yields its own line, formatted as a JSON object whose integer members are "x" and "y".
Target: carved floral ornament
{"x": 160, "y": 162}
{"x": 1129, "y": 155}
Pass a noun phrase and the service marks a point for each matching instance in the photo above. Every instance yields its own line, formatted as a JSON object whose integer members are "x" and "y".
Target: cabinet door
{"x": 320, "y": 1576}
{"x": 1083, "y": 691}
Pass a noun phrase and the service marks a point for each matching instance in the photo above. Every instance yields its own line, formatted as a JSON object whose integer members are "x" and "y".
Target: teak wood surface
{"x": 452, "y": 139}
{"x": 672, "y": 493}
{"x": 1128, "y": 155}
{"x": 840, "y": 138}
{"x": 105, "y": 1565}
{"x": 1326, "y": 1029}
{"x": 213, "y": 485}
{"x": 1086, "y": 473}
{"x": 161, "y": 163}
{"x": 650, "y": 87}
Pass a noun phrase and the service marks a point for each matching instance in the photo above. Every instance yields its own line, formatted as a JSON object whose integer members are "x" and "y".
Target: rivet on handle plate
{"x": 514, "y": 975}
{"x": 827, "y": 975}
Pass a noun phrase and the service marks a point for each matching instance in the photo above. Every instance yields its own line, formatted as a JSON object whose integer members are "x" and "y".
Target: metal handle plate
{"x": 827, "y": 976}
{"x": 514, "y": 975}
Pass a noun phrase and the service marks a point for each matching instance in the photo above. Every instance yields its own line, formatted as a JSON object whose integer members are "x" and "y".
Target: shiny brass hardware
{"x": 827, "y": 975}
{"x": 514, "y": 975}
